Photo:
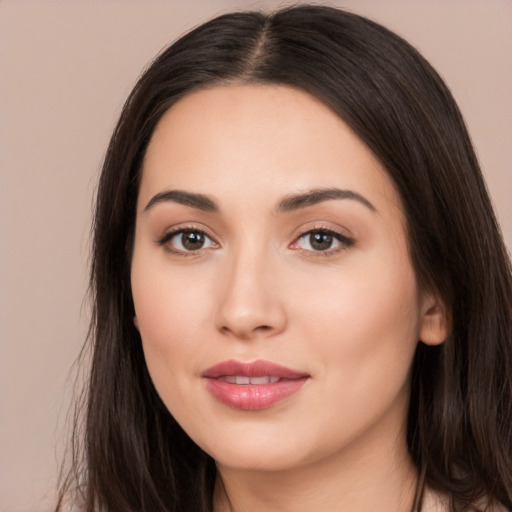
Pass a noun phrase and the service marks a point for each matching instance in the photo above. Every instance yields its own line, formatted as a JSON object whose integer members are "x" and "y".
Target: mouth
{"x": 242, "y": 380}
{"x": 252, "y": 386}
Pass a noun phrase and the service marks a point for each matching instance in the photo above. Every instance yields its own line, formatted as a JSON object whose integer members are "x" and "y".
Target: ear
{"x": 434, "y": 327}
{"x": 136, "y": 322}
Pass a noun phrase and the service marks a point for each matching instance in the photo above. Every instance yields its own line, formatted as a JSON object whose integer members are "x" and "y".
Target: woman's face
{"x": 273, "y": 289}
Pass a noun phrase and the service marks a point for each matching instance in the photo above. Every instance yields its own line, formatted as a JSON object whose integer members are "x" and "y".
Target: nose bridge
{"x": 251, "y": 304}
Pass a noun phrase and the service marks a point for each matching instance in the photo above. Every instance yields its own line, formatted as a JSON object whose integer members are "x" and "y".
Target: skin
{"x": 350, "y": 316}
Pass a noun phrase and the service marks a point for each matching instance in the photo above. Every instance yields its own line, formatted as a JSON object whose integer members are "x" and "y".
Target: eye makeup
{"x": 191, "y": 240}
{"x": 187, "y": 241}
{"x": 322, "y": 241}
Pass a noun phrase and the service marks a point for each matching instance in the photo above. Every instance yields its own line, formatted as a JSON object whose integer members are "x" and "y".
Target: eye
{"x": 322, "y": 241}
{"x": 187, "y": 241}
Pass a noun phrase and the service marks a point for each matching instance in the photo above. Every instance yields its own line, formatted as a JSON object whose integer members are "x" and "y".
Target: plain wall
{"x": 65, "y": 70}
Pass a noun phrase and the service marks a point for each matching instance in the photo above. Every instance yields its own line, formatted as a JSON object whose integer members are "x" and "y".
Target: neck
{"x": 374, "y": 476}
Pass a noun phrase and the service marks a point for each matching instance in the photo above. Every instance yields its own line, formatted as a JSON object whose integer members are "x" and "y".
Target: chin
{"x": 258, "y": 459}
{"x": 261, "y": 450}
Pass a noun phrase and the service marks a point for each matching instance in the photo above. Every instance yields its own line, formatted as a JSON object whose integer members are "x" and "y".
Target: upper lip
{"x": 258, "y": 368}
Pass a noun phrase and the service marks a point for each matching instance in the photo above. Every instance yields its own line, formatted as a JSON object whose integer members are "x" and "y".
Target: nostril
{"x": 250, "y": 316}
{"x": 263, "y": 328}
{"x": 246, "y": 333}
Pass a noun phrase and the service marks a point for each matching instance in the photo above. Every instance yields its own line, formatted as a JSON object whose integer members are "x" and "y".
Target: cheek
{"x": 361, "y": 331}
{"x": 365, "y": 321}
{"x": 170, "y": 313}
{"x": 166, "y": 315}
{"x": 167, "y": 298}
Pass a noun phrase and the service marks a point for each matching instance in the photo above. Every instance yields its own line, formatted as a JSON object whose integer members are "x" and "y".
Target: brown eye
{"x": 187, "y": 241}
{"x": 192, "y": 240}
{"x": 320, "y": 241}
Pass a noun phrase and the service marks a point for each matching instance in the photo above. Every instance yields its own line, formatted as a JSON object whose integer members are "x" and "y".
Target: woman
{"x": 302, "y": 298}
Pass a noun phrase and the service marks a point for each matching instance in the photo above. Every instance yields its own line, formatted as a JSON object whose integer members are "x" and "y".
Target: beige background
{"x": 65, "y": 69}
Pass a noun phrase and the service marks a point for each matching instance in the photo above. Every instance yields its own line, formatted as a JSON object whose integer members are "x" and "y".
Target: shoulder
{"x": 434, "y": 501}
{"x": 495, "y": 507}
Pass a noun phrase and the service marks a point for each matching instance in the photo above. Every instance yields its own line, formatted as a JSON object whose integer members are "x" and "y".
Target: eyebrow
{"x": 289, "y": 203}
{"x": 199, "y": 201}
{"x": 313, "y": 197}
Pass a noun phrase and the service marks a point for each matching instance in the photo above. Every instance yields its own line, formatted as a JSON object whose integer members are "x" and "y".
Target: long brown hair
{"x": 130, "y": 454}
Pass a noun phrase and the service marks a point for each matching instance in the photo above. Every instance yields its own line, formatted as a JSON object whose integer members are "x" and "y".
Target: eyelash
{"x": 344, "y": 241}
{"x": 164, "y": 241}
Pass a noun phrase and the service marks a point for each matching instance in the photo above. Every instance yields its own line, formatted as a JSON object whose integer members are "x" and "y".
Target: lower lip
{"x": 253, "y": 397}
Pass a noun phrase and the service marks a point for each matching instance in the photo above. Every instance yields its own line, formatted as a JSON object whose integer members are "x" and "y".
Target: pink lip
{"x": 252, "y": 397}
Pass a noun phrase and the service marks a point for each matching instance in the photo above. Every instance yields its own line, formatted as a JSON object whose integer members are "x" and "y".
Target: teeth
{"x": 243, "y": 380}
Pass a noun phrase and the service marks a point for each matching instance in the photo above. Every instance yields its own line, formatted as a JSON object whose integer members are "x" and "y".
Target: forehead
{"x": 250, "y": 139}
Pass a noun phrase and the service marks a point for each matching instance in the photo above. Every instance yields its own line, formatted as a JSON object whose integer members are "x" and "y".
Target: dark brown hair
{"x": 132, "y": 455}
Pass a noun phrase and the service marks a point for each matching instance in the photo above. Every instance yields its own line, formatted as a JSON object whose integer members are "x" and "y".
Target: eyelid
{"x": 345, "y": 241}
{"x": 170, "y": 233}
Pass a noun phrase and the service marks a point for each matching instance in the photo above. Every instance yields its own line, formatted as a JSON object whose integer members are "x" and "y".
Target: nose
{"x": 252, "y": 304}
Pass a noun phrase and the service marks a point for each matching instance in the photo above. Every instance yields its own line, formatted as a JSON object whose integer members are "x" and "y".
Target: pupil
{"x": 320, "y": 241}
{"x": 192, "y": 240}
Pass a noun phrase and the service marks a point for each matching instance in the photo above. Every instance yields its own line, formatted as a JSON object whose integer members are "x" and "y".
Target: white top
{"x": 437, "y": 502}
